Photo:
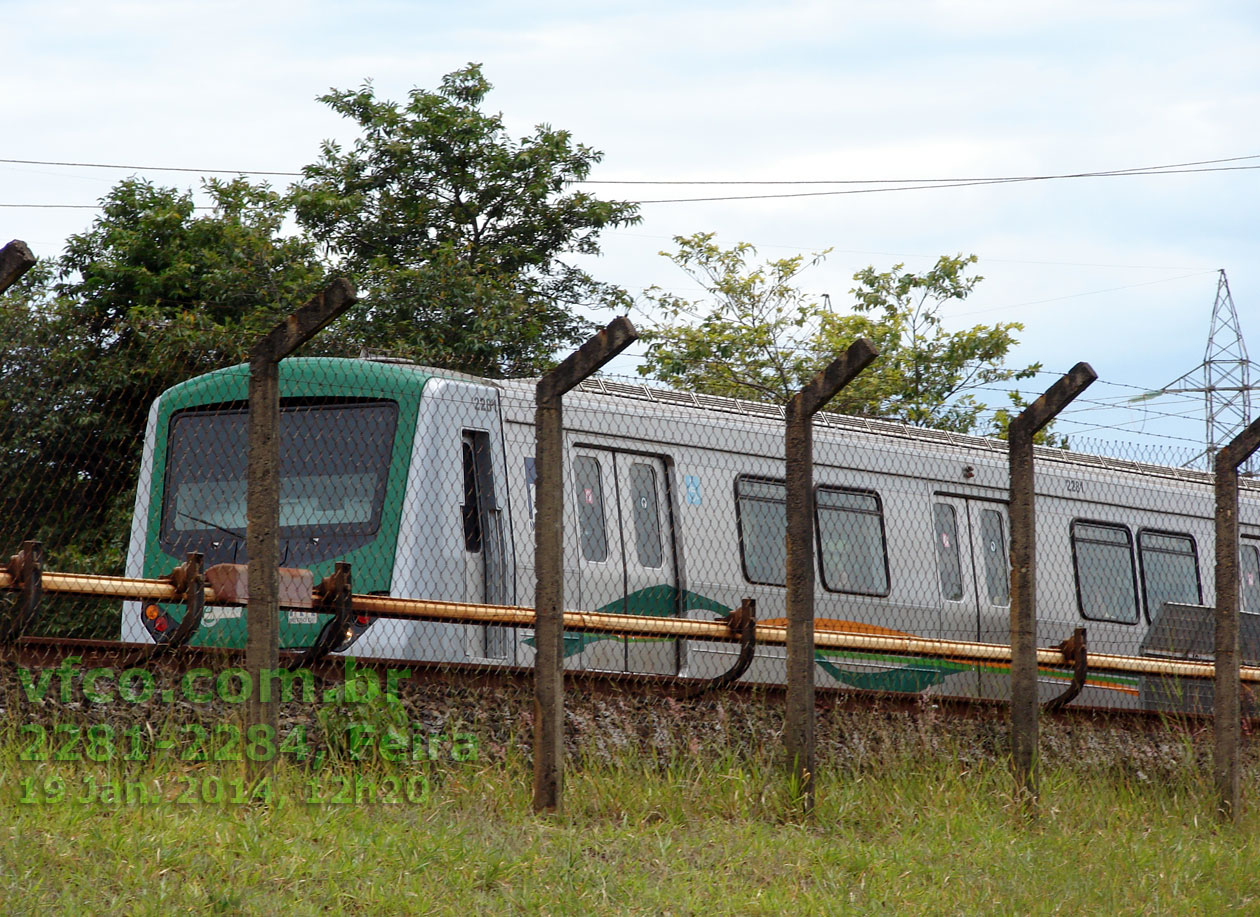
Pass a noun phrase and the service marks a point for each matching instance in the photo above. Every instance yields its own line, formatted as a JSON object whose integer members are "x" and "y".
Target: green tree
{"x": 455, "y": 233}
{"x": 756, "y": 335}
{"x": 151, "y": 294}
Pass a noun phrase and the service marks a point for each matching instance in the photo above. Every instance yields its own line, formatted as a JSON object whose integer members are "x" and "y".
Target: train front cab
{"x": 455, "y": 535}
{"x": 387, "y": 467}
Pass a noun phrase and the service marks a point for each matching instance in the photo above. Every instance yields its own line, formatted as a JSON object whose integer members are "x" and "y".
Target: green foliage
{"x": 747, "y": 343}
{"x": 455, "y": 232}
{"x": 1001, "y": 424}
{"x": 151, "y": 294}
{"x": 758, "y": 336}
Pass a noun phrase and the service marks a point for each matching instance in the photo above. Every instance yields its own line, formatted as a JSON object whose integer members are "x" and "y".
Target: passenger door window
{"x": 1249, "y": 574}
{"x": 948, "y": 561}
{"x": 643, "y": 508}
{"x": 997, "y": 563}
{"x": 589, "y": 486}
{"x": 761, "y": 510}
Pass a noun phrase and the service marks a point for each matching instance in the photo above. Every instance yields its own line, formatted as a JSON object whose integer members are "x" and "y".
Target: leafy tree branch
{"x": 756, "y": 335}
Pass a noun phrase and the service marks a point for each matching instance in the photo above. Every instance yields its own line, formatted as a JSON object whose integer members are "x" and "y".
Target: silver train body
{"x": 674, "y": 506}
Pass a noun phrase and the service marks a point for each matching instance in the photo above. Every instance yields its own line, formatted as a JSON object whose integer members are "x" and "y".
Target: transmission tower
{"x": 1223, "y": 378}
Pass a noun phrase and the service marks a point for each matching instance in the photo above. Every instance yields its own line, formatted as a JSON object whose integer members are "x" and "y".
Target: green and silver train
{"x": 423, "y": 480}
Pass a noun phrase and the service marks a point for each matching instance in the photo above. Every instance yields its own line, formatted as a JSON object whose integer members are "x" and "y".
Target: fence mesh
{"x": 424, "y": 481}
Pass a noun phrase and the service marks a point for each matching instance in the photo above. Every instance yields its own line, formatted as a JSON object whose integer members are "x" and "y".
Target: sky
{"x": 1118, "y": 271}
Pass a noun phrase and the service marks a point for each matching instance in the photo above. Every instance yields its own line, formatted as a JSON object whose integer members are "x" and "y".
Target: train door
{"x": 625, "y": 556}
{"x": 973, "y": 568}
{"x": 973, "y": 571}
{"x": 991, "y": 562}
{"x": 1249, "y": 597}
{"x": 485, "y": 566}
{"x": 649, "y": 558}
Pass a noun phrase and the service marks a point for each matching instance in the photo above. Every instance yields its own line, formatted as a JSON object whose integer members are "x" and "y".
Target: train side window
{"x": 948, "y": 561}
{"x": 590, "y": 502}
{"x": 761, "y": 514}
{"x": 647, "y": 523}
{"x": 1249, "y": 575}
{"x": 1170, "y": 570}
{"x": 854, "y": 556}
{"x": 1106, "y": 588}
{"x": 996, "y": 559}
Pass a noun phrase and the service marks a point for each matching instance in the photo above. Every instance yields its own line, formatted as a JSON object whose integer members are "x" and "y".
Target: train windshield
{"x": 334, "y": 465}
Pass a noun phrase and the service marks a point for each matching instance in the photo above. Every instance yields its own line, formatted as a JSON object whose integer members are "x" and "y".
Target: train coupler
{"x": 334, "y": 597}
{"x": 1073, "y": 649}
{"x": 25, "y": 570}
{"x": 743, "y": 624}
{"x": 189, "y": 583}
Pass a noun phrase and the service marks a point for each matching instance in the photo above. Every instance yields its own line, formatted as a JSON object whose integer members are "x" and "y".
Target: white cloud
{"x": 731, "y": 91}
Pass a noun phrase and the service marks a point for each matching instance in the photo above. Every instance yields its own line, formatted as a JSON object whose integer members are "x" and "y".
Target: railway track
{"x": 29, "y": 652}
{"x": 33, "y": 653}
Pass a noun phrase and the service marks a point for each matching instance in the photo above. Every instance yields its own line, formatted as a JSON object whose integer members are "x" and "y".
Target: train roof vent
{"x": 603, "y": 386}
{"x": 625, "y": 389}
{"x": 372, "y": 355}
{"x": 937, "y": 436}
{"x": 867, "y": 425}
{"x": 667, "y": 396}
{"x": 439, "y": 373}
{"x": 764, "y": 410}
{"x": 715, "y": 402}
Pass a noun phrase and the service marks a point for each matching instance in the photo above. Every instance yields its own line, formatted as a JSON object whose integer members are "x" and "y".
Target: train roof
{"x": 667, "y": 400}
{"x": 388, "y": 373}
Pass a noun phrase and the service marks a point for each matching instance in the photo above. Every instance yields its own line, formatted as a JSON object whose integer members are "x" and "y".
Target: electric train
{"x": 424, "y": 481}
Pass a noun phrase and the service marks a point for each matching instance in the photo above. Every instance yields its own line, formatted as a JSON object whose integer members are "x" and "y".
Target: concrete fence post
{"x": 15, "y": 260}
{"x": 549, "y": 555}
{"x": 798, "y": 726}
{"x": 1227, "y": 703}
{"x": 262, "y": 612}
{"x": 1024, "y": 570}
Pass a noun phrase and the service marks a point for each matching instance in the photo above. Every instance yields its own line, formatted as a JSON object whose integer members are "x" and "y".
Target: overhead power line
{"x": 892, "y": 181}
{"x": 950, "y": 184}
{"x": 1038, "y": 302}
{"x": 126, "y": 168}
{"x": 65, "y": 207}
{"x": 618, "y": 181}
{"x": 882, "y": 185}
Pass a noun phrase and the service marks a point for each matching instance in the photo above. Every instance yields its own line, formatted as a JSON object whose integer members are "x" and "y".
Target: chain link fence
{"x": 675, "y": 506}
{"x": 424, "y": 481}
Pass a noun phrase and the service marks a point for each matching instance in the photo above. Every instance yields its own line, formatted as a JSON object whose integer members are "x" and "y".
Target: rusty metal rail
{"x": 162, "y": 590}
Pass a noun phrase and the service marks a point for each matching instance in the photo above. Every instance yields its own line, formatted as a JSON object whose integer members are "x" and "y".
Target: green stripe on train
{"x": 661, "y": 601}
{"x": 905, "y": 677}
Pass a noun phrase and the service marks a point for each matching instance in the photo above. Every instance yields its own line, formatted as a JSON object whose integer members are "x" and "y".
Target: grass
{"x": 639, "y": 835}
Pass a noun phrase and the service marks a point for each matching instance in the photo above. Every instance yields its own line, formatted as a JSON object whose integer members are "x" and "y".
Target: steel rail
{"x": 159, "y": 590}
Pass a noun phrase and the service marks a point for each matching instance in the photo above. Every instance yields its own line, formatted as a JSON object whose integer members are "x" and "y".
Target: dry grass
{"x": 933, "y": 831}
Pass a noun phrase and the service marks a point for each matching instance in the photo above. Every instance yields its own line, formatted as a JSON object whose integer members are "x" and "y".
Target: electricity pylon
{"x": 1223, "y": 378}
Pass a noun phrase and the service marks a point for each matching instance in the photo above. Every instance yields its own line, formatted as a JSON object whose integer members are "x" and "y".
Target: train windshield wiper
{"x": 214, "y": 525}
